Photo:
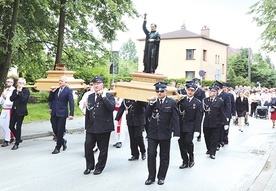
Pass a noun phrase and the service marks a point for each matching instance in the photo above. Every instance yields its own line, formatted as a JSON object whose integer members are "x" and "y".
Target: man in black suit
{"x": 163, "y": 120}
{"x": 136, "y": 121}
{"x": 214, "y": 119}
{"x": 20, "y": 97}
{"x": 98, "y": 125}
{"x": 227, "y": 107}
{"x": 59, "y": 99}
{"x": 199, "y": 94}
{"x": 190, "y": 109}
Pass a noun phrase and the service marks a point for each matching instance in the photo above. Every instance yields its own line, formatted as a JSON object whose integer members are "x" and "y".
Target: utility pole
{"x": 249, "y": 64}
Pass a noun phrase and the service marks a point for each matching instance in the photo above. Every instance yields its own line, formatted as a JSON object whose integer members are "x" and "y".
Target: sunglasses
{"x": 8, "y": 81}
{"x": 159, "y": 91}
{"x": 90, "y": 84}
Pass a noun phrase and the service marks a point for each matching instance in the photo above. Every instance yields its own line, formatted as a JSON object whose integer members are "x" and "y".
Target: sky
{"x": 227, "y": 20}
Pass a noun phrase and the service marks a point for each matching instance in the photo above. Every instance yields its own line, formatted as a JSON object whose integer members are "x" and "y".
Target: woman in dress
{"x": 273, "y": 105}
{"x": 242, "y": 109}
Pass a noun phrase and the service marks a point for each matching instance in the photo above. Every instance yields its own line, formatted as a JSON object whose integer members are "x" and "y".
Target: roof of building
{"x": 182, "y": 34}
{"x": 234, "y": 51}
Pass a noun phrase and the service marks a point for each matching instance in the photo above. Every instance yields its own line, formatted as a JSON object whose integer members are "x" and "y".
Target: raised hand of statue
{"x": 145, "y": 16}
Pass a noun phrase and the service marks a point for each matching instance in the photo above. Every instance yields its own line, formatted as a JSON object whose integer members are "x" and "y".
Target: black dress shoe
{"x": 212, "y": 157}
{"x": 87, "y": 171}
{"x": 207, "y": 152}
{"x": 64, "y": 145}
{"x": 56, "y": 151}
{"x": 149, "y": 182}
{"x": 160, "y": 182}
{"x": 119, "y": 145}
{"x": 183, "y": 166}
{"x": 144, "y": 156}
{"x": 133, "y": 158}
{"x": 97, "y": 172}
{"x": 191, "y": 164}
{"x": 14, "y": 147}
{"x": 12, "y": 140}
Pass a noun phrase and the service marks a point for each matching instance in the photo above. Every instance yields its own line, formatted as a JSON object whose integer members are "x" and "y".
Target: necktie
{"x": 189, "y": 99}
{"x": 60, "y": 90}
{"x": 160, "y": 101}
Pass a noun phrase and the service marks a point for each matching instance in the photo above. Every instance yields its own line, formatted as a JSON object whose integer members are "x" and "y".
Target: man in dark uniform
{"x": 199, "y": 94}
{"x": 233, "y": 113}
{"x": 98, "y": 125}
{"x": 190, "y": 109}
{"x": 151, "y": 52}
{"x": 163, "y": 120}
{"x": 227, "y": 107}
{"x": 215, "y": 117}
{"x": 136, "y": 120}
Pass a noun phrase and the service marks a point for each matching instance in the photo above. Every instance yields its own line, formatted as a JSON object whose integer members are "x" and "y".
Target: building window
{"x": 222, "y": 69}
{"x": 190, "y": 74}
{"x": 190, "y": 54}
{"x": 204, "y": 55}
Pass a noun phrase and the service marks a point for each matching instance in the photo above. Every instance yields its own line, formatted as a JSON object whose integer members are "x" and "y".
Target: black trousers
{"x": 16, "y": 120}
{"x": 58, "y": 125}
{"x": 211, "y": 136}
{"x": 136, "y": 140}
{"x": 186, "y": 147}
{"x": 102, "y": 140}
{"x": 164, "y": 158}
{"x": 253, "y": 108}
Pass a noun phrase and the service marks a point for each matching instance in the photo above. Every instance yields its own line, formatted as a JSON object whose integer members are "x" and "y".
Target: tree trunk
{"x": 60, "y": 32}
{"x": 5, "y": 65}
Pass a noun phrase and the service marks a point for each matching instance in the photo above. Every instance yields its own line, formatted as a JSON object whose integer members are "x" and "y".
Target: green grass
{"x": 40, "y": 112}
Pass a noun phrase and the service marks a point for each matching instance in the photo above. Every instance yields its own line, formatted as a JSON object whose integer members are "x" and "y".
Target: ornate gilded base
{"x": 142, "y": 87}
{"x": 53, "y": 78}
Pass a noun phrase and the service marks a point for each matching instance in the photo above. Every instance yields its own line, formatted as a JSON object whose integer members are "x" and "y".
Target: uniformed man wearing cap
{"x": 199, "y": 94}
{"x": 215, "y": 117}
{"x": 227, "y": 107}
{"x": 98, "y": 125}
{"x": 163, "y": 120}
{"x": 190, "y": 109}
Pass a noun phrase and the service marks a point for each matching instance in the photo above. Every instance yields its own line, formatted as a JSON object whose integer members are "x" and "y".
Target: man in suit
{"x": 215, "y": 118}
{"x": 227, "y": 108}
{"x": 190, "y": 109}
{"x": 163, "y": 120}
{"x": 60, "y": 98}
{"x": 19, "y": 97}
{"x": 6, "y": 104}
{"x": 199, "y": 94}
{"x": 99, "y": 123}
{"x": 136, "y": 121}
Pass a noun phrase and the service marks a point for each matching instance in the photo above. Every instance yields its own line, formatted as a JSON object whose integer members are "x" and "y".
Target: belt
{"x": 6, "y": 108}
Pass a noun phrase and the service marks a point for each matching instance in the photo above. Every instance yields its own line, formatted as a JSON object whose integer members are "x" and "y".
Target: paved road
{"x": 247, "y": 163}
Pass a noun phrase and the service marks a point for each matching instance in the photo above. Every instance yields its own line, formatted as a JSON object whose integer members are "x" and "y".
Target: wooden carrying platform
{"x": 53, "y": 79}
{"x": 142, "y": 87}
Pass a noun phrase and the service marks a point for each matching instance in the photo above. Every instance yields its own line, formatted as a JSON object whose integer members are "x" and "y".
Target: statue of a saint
{"x": 151, "y": 51}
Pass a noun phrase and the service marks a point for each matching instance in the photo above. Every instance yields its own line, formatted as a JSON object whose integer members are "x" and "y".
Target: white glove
{"x": 152, "y": 102}
{"x": 104, "y": 94}
{"x": 226, "y": 127}
{"x": 227, "y": 119}
{"x": 115, "y": 123}
{"x": 196, "y": 134}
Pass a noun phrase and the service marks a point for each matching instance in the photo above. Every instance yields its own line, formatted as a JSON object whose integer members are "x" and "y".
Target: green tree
{"x": 264, "y": 15}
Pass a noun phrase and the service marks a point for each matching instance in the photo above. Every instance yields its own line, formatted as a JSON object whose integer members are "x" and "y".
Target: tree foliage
{"x": 264, "y": 13}
{"x": 261, "y": 70}
{"x": 88, "y": 26}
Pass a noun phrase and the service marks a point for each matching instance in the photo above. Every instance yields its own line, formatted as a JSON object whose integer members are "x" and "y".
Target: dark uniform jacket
{"x": 135, "y": 112}
{"x": 190, "y": 117}
{"x": 20, "y": 101}
{"x": 163, "y": 120}
{"x": 215, "y": 115}
{"x": 99, "y": 114}
{"x": 199, "y": 94}
{"x": 59, "y": 103}
{"x": 227, "y": 104}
